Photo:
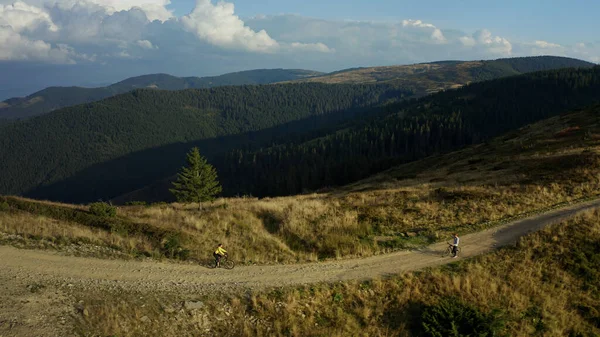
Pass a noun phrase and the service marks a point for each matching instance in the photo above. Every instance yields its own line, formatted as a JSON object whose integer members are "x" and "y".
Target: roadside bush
{"x": 172, "y": 247}
{"x": 103, "y": 209}
{"x": 452, "y": 318}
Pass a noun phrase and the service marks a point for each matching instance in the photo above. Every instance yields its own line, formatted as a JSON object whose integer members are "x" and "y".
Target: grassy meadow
{"x": 545, "y": 286}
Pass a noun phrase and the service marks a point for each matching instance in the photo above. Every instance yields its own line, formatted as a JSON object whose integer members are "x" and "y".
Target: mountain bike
{"x": 225, "y": 263}
{"x": 448, "y": 251}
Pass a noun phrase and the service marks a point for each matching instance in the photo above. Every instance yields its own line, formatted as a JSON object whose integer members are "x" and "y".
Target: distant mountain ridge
{"x": 54, "y": 98}
{"x": 421, "y": 79}
{"x": 426, "y": 78}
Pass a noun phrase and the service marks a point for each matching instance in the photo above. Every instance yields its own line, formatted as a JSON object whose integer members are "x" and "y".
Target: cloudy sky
{"x": 94, "y": 42}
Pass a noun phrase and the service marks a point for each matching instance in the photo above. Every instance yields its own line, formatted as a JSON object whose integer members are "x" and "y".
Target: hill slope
{"x": 111, "y": 147}
{"x": 539, "y": 167}
{"x": 537, "y": 287}
{"x": 403, "y": 132}
{"x": 426, "y": 78}
{"x": 55, "y": 146}
{"x": 54, "y": 98}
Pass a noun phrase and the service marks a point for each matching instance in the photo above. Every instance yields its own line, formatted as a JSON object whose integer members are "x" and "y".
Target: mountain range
{"x": 422, "y": 79}
{"x": 54, "y": 98}
{"x": 279, "y": 139}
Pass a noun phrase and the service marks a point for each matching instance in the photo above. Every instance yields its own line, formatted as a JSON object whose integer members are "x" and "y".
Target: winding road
{"x": 163, "y": 276}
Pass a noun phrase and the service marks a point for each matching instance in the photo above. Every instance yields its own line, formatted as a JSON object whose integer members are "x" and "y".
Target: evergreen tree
{"x": 198, "y": 181}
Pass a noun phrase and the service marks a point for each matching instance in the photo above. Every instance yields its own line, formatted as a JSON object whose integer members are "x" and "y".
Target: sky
{"x": 97, "y": 42}
{"x": 561, "y": 21}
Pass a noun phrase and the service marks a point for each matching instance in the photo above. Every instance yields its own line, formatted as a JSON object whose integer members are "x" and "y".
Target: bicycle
{"x": 224, "y": 263}
{"x": 448, "y": 251}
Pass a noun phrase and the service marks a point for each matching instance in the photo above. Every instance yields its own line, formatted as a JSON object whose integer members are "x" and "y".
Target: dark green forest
{"x": 36, "y": 154}
{"x": 53, "y": 98}
{"x": 267, "y": 140}
{"x": 407, "y": 131}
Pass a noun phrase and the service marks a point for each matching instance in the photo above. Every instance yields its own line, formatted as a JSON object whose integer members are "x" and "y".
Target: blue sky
{"x": 558, "y": 21}
{"x": 87, "y": 42}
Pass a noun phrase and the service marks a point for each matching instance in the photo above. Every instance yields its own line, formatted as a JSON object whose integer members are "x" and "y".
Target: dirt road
{"x": 27, "y": 311}
{"x": 136, "y": 275}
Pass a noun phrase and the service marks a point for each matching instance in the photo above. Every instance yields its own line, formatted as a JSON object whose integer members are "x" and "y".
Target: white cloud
{"x": 494, "y": 45}
{"x": 154, "y": 9}
{"x": 544, "y": 44}
{"x": 364, "y": 43}
{"x": 316, "y": 47}
{"x": 217, "y": 24}
{"x": 145, "y": 44}
{"x": 124, "y": 55}
{"x": 21, "y": 16}
{"x": 468, "y": 41}
{"x": 540, "y": 47}
{"x": 212, "y": 39}
{"x": 15, "y": 47}
{"x": 435, "y": 33}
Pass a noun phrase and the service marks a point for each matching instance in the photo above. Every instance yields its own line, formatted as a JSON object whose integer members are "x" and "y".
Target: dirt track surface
{"x": 142, "y": 276}
{"x": 27, "y": 311}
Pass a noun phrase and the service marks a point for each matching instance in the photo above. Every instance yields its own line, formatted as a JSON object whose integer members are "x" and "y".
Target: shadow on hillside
{"x": 271, "y": 221}
{"x": 157, "y": 166}
{"x": 403, "y": 316}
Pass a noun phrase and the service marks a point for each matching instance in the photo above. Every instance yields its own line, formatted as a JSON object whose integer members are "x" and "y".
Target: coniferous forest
{"x": 408, "y": 131}
{"x": 268, "y": 140}
{"x": 39, "y": 152}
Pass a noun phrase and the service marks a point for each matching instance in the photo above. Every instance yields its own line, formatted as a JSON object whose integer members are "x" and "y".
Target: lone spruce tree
{"x": 196, "y": 182}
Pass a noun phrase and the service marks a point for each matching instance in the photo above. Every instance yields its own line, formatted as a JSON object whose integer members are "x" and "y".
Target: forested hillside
{"x": 58, "y": 97}
{"x": 408, "y": 131}
{"x": 55, "y": 147}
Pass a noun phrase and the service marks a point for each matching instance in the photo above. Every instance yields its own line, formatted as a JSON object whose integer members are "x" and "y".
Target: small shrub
{"x": 119, "y": 228}
{"x": 4, "y": 206}
{"x": 103, "y": 209}
{"x": 338, "y": 297}
{"x": 172, "y": 247}
{"x": 452, "y": 318}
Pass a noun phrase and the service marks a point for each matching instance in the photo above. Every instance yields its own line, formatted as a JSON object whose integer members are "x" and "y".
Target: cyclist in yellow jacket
{"x": 218, "y": 254}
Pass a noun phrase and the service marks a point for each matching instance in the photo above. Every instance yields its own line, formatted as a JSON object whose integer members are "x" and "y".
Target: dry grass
{"x": 543, "y": 287}
{"x": 538, "y": 292}
{"x": 425, "y": 78}
{"x": 260, "y": 231}
{"x": 27, "y": 230}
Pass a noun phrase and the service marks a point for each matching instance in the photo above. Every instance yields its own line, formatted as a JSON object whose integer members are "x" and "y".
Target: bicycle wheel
{"x": 447, "y": 252}
{"x": 227, "y": 264}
